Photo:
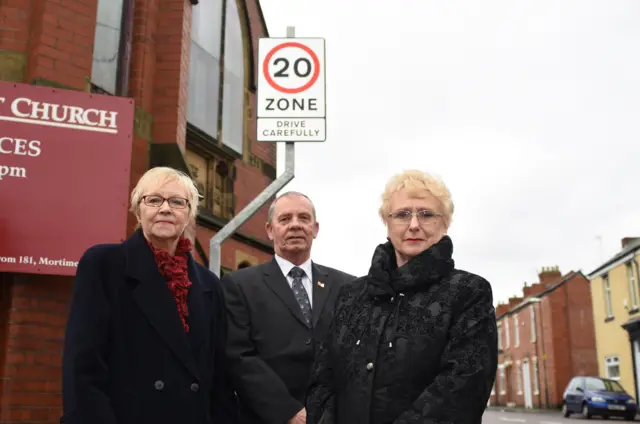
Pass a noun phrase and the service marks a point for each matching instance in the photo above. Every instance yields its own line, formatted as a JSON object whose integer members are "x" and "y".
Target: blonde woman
{"x": 147, "y": 326}
{"x": 415, "y": 340}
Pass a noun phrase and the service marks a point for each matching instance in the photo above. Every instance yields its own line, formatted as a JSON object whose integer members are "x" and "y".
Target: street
{"x": 498, "y": 417}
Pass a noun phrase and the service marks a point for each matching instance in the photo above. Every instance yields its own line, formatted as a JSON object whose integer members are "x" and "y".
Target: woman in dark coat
{"x": 146, "y": 329}
{"x": 414, "y": 341}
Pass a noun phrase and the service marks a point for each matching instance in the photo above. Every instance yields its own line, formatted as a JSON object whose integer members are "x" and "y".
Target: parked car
{"x": 598, "y": 396}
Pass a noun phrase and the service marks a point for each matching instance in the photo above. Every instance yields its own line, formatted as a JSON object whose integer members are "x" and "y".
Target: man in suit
{"x": 278, "y": 312}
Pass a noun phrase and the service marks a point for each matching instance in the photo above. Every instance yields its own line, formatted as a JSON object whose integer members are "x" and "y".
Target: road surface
{"x": 498, "y": 417}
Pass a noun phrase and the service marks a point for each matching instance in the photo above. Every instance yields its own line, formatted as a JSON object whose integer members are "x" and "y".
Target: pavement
{"x": 506, "y": 416}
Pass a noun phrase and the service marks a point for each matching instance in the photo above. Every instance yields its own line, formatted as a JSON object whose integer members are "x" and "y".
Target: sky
{"x": 528, "y": 111}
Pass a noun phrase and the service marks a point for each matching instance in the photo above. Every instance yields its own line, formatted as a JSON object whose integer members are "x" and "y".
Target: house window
{"x": 516, "y": 324}
{"x": 106, "y": 45}
{"x": 499, "y": 336}
{"x": 532, "y": 316}
{"x": 503, "y": 381}
{"x": 607, "y": 296}
{"x": 536, "y": 377}
{"x": 217, "y": 73}
{"x": 612, "y": 364}
{"x": 519, "y": 378}
{"x": 506, "y": 332}
{"x": 633, "y": 289}
{"x": 213, "y": 178}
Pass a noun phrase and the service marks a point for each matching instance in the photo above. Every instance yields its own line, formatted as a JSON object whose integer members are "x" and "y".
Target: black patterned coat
{"x": 415, "y": 344}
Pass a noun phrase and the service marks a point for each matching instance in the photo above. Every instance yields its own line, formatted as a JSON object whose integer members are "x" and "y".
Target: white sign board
{"x": 291, "y": 90}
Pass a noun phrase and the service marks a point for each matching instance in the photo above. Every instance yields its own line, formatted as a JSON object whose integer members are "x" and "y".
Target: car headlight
{"x": 597, "y": 398}
{"x": 631, "y": 402}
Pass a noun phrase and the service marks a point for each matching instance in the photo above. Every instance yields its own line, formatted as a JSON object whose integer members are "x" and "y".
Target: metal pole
{"x": 215, "y": 244}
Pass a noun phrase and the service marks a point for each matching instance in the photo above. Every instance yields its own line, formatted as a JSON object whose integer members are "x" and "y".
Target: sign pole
{"x": 215, "y": 244}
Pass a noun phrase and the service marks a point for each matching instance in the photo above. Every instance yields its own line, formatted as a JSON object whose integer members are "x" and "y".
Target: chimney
{"x": 502, "y": 309}
{"x": 533, "y": 290}
{"x": 514, "y": 301}
{"x": 549, "y": 275}
{"x": 625, "y": 241}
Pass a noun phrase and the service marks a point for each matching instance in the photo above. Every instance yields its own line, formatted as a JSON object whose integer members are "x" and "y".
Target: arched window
{"x": 106, "y": 45}
{"x": 233, "y": 93}
{"x": 211, "y": 47}
{"x": 204, "y": 66}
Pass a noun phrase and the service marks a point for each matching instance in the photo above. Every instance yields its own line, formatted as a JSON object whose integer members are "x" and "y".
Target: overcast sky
{"x": 528, "y": 110}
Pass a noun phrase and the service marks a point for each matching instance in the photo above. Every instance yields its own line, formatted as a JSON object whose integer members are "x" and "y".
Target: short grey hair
{"x": 272, "y": 207}
{"x": 158, "y": 176}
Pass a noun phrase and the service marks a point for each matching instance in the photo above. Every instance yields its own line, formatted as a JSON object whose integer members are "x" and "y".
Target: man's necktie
{"x": 301, "y": 293}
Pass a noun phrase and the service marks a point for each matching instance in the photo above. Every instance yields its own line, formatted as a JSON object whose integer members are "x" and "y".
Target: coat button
{"x": 308, "y": 341}
{"x": 369, "y": 366}
{"x": 159, "y": 385}
{"x": 195, "y": 387}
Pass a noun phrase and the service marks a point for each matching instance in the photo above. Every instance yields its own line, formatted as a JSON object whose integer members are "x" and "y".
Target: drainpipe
{"x": 633, "y": 347}
{"x": 124, "y": 58}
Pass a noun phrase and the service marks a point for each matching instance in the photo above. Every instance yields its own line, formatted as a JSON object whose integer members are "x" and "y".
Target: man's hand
{"x": 299, "y": 418}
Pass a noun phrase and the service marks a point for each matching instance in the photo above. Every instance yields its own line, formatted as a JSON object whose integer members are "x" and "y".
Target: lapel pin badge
{"x": 320, "y": 284}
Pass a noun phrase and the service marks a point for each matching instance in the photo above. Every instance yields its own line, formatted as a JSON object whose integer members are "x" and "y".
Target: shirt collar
{"x": 286, "y": 266}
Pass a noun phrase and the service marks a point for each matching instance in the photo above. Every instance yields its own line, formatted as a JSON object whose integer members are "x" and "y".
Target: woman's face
{"x": 415, "y": 224}
{"x": 164, "y": 211}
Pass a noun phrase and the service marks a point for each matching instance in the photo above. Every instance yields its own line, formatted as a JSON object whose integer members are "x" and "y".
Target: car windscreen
{"x": 599, "y": 385}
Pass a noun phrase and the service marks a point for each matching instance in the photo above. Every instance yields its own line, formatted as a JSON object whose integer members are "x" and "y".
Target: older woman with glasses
{"x": 146, "y": 330}
{"x": 415, "y": 340}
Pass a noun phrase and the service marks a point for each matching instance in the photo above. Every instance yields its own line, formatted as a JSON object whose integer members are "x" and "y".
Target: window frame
{"x": 216, "y": 140}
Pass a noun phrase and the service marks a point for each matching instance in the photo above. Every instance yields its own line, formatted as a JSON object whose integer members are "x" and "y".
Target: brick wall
{"x": 36, "y": 317}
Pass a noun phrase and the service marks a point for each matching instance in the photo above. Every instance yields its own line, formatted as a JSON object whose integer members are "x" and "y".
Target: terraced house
{"x": 616, "y": 303}
{"x": 545, "y": 337}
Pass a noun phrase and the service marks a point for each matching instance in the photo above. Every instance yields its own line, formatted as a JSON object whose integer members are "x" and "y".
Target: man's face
{"x": 292, "y": 227}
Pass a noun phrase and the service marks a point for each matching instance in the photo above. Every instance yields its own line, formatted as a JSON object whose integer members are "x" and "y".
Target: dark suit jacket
{"x": 269, "y": 346}
{"x": 127, "y": 358}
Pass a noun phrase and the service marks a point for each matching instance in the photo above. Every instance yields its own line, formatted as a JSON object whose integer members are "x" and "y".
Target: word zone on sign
{"x": 291, "y": 90}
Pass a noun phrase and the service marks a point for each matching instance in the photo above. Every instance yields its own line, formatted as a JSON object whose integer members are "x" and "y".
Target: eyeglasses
{"x": 157, "y": 201}
{"x": 425, "y": 217}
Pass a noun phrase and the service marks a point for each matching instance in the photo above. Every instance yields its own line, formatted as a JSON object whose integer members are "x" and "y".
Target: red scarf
{"x": 175, "y": 270}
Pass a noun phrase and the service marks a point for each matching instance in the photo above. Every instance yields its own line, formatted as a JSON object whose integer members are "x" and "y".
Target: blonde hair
{"x": 158, "y": 176}
{"x": 416, "y": 183}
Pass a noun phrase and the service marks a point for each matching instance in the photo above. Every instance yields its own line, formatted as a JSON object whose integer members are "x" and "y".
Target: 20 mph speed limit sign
{"x": 291, "y": 89}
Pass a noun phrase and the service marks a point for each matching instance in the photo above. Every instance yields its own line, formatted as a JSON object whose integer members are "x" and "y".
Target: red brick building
{"x": 190, "y": 67}
{"x": 546, "y": 337}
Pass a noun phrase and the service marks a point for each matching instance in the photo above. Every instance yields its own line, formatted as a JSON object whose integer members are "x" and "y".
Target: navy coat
{"x": 127, "y": 358}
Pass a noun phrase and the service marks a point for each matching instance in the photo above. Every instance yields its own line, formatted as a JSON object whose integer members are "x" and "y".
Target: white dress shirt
{"x": 286, "y": 267}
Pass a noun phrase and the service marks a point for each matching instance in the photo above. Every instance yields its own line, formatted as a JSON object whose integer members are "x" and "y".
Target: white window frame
{"x": 519, "y": 383}
{"x": 500, "y": 335}
{"x": 536, "y": 377}
{"x": 533, "y": 323}
{"x": 608, "y": 305}
{"x": 506, "y": 332}
{"x": 503, "y": 380}
{"x": 516, "y": 326}
{"x": 633, "y": 288}
{"x": 609, "y": 362}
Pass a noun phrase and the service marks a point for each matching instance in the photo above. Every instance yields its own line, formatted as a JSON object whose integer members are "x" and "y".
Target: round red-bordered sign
{"x": 275, "y": 85}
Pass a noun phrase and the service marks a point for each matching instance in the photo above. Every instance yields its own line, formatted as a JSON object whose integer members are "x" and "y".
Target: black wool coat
{"x": 127, "y": 358}
{"x": 415, "y": 344}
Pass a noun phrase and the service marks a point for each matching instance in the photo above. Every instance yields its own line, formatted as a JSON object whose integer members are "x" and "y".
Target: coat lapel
{"x": 197, "y": 313}
{"x": 278, "y": 283}
{"x": 154, "y": 298}
{"x": 321, "y": 288}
